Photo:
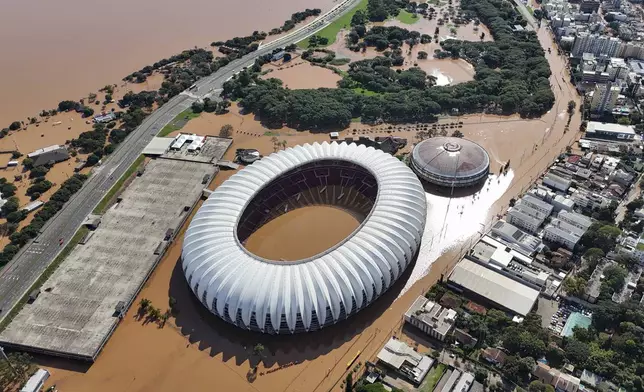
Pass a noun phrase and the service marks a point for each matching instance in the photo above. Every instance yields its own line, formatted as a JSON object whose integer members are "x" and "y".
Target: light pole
{"x": 2, "y": 353}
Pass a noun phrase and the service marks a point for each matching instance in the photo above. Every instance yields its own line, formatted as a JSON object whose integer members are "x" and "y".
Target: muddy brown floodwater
{"x": 302, "y": 233}
{"x": 56, "y": 50}
{"x": 197, "y": 351}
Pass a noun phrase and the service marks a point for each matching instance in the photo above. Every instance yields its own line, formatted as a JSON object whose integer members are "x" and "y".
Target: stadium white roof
{"x": 497, "y": 288}
{"x": 256, "y": 293}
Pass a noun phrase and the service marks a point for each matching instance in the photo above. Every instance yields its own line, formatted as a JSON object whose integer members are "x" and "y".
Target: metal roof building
{"x": 450, "y": 161}
{"x": 304, "y": 295}
{"x": 494, "y": 287}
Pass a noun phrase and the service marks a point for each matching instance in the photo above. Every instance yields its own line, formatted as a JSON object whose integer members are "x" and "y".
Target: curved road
{"x": 27, "y": 266}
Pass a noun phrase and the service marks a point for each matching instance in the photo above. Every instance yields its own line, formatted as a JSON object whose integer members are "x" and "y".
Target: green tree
{"x": 593, "y": 256}
{"x": 14, "y": 126}
{"x": 258, "y": 350}
{"x": 144, "y": 305}
{"x": 348, "y": 387}
{"x": 571, "y": 107}
{"x": 226, "y": 131}
{"x": 624, "y": 121}
{"x": 575, "y": 286}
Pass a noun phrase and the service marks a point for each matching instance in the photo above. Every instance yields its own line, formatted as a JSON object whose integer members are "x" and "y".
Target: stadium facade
{"x": 281, "y": 297}
{"x": 450, "y": 162}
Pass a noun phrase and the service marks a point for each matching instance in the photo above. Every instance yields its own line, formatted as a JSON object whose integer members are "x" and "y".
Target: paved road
{"x": 21, "y": 273}
{"x": 532, "y": 21}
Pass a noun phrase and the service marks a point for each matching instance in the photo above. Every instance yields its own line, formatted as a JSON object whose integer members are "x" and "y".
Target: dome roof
{"x": 453, "y": 157}
{"x": 269, "y": 296}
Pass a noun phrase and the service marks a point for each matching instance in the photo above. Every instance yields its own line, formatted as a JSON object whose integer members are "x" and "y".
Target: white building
{"x": 599, "y": 130}
{"x": 525, "y": 217}
{"x": 36, "y": 382}
{"x": 431, "y": 318}
{"x": 556, "y": 182}
{"x": 563, "y": 233}
{"x": 595, "y": 44}
{"x": 580, "y": 221}
{"x": 562, "y": 203}
{"x": 537, "y": 204}
{"x": 402, "y": 358}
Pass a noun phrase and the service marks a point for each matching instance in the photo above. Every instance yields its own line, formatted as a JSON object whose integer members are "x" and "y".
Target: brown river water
{"x": 302, "y": 233}
{"x": 63, "y": 49}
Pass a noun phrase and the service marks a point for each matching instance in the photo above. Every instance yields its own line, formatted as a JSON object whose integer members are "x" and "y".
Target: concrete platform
{"x": 75, "y": 312}
{"x": 212, "y": 150}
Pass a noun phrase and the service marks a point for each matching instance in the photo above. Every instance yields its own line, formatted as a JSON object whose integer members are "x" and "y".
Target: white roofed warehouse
{"x": 281, "y": 297}
{"x": 450, "y": 162}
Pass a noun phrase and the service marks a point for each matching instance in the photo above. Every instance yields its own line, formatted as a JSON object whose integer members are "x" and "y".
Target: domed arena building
{"x": 291, "y": 296}
{"x": 450, "y": 162}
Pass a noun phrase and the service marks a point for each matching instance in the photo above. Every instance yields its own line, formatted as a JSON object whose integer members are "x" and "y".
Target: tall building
{"x": 595, "y": 44}
{"x": 604, "y": 98}
{"x": 631, "y": 50}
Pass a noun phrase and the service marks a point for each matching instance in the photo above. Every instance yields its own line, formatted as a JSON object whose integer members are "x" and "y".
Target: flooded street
{"x": 302, "y": 233}
{"x": 63, "y": 49}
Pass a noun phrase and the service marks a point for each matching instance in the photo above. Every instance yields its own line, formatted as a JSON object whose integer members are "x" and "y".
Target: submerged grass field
{"x": 407, "y": 17}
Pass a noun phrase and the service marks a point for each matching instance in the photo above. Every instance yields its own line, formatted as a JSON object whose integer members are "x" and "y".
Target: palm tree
{"x": 155, "y": 313}
{"x": 276, "y": 143}
{"x": 165, "y": 317}
{"x": 283, "y": 144}
{"x": 144, "y": 305}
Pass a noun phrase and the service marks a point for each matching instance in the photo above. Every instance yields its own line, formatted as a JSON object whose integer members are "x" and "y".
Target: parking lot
{"x": 76, "y": 311}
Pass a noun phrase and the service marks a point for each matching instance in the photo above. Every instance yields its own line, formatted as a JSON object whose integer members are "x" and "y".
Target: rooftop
{"x": 400, "y": 356}
{"x": 432, "y": 314}
{"x": 594, "y": 126}
{"x": 451, "y": 157}
{"x": 497, "y": 288}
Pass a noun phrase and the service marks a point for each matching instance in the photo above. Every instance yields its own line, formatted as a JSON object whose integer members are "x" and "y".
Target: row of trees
{"x": 150, "y": 314}
{"x": 295, "y": 19}
{"x": 47, "y": 211}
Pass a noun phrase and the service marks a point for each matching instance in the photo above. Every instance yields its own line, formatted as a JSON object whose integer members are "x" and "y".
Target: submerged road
{"x": 17, "y": 277}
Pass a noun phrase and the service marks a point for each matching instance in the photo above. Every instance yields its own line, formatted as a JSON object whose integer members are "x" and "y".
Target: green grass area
{"x": 530, "y": 10}
{"x": 640, "y": 246}
{"x": 433, "y": 377}
{"x": 368, "y": 93}
{"x": 178, "y": 122}
{"x": 271, "y": 133}
{"x": 356, "y": 119}
{"x": 407, "y": 17}
{"x": 332, "y": 30}
{"x": 43, "y": 278}
{"x": 105, "y": 202}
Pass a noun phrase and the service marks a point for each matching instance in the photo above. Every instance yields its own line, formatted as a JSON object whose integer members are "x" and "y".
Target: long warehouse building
{"x": 490, "y": 286}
